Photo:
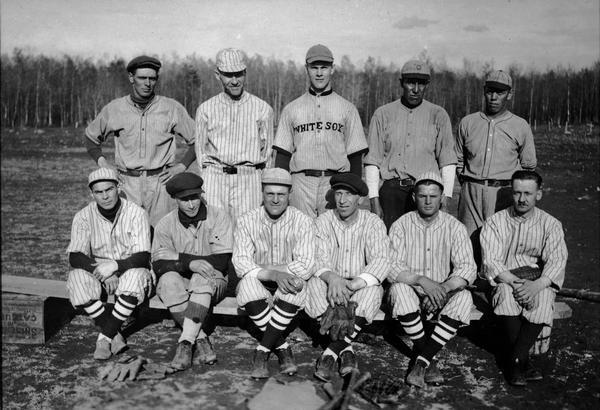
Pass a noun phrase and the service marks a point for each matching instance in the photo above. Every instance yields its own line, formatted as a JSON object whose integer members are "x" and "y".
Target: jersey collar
{"x": 323, "y": 94}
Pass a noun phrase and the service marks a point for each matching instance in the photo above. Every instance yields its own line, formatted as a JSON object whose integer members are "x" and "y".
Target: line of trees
{"x": 40, "y": 91}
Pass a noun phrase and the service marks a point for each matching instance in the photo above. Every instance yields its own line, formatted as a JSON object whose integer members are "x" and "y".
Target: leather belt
{"x": 496, "y": 183}
{"x": 230, "y": 169}
{"x": 402, "y": 182}
{"x": 316, "y": 172}
{"x": 140, "y": 172}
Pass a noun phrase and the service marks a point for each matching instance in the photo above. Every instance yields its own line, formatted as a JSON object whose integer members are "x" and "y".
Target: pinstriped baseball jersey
{"x": 234, "y": 132}
{"x": 211, "y": 236}
{"x": 288, "y": 240}
{"x": 406, "y": 142}
{"x": 97, "y": 237}
{"x": 320, "y": 131}
{"x": 438, "y": 250}
{"x": 358, "y": 249}
{"x": 144, "y": 139}
{"x": 509, "y": 241}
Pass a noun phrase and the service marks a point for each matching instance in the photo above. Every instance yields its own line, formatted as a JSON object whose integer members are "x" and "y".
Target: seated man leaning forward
{"x": 518, "y": 240}
{"x": 352, "y": 262}
{"x": 273, "y": 253}
{"x": 110, "y": 249}
{"x": 431, "y": 264}
{"x": 190, "y": 252}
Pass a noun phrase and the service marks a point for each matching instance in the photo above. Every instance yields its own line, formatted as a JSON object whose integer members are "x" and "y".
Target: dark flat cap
{"x": 143, "y": 62}
{"x": 184, "y": 184}
{"x": 349, "y": 181}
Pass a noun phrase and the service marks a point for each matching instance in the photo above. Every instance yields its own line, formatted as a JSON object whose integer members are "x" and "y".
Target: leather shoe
{"x": 433, "y": 374}
{"x": 324, "y": 368}
{"x": 416, "y": 375}
{"x": 286, "y": 361}
{"x": 183, "y": 356}
{"x": 204, "y": 352}
{"x": 260, "y": 362}
{"x": 347, "y": 362}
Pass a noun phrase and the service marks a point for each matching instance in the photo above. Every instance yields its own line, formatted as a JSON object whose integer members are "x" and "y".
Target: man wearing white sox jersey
{"x": 408, "y": 137}
{"x": 234, "y": 139}
{"x": 110, "y": 249}
{"x": 432, "y": 263}
{"x": 523, "y": 235}
{"x": 352, "y": 262}
{"x": 273, "y": 254}
{"x": 145, "y": 127}
{"x": 319, "y": 134}
{"x": 190, "y": 253}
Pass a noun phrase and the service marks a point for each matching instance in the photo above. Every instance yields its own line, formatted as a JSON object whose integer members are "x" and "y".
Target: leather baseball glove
{"x": 527, "y": 272}
{"x": 338, "y": 321}
{"x": 132, "y": 368}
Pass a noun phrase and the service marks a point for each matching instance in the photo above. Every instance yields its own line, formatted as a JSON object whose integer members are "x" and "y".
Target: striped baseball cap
{"x": 432, "y": 176}
{"x": 415, "y": 69}
{"x": 102, "y": 174}
{"x": 499, "y": 79}
{"x": 276, "y": 176}
{"x": 231, "y": 60}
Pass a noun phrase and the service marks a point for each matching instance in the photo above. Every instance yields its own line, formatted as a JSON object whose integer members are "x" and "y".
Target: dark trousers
{"x": 395, "y": 200}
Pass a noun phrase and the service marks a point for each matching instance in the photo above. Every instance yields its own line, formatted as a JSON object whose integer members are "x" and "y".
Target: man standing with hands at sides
{"x": 110, "y": 249}
{"x": 490, "y": 146}
{"x": 319, "y": 134}
{"x": 145, "y": 127}
{"x": 519, "y": 239}
{"x": 234, "y": 139}
{"x": 408, "y": 137}
{"x": 191, "y": 250}
{"x": 432, "y": 263}
{"x": 274, "y": 256}
{"x": 352, "y": 262}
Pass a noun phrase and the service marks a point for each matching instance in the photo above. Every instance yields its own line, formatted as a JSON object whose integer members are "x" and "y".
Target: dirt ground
{"x": 43, "y": 178}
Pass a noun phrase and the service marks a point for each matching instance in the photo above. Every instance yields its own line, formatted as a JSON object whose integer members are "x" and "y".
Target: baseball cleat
{"x": 204, "y": 352}
{"x": 260, "y": 363}
{"x": 516, "y": 376}
{"x": 286, "y": 361}
{"x": 416, "y": 376}
{"x": 118, "y": 344}
{"x": 102, "y": 351}
{"x": 183, "y": 356}
{"x": 324, "y": 368}
{"x": 433, "y": 374}
{"x": 347, "y": 362}
{"x": 532, "y": 374}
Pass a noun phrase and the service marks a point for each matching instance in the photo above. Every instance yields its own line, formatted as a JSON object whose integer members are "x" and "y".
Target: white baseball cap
{"x": 430, "y": 176}
{"x": 231, "y": 60}
{"x": 276, "y": 176}
{"x": 103, "y": 174}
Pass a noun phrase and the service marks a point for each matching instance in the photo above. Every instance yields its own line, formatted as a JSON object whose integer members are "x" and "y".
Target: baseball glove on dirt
{"x": 383, "y": 389}
{"x": 338, "y": 321}
{"x": 132, "y": 368}
{"x": 527, "y": 272}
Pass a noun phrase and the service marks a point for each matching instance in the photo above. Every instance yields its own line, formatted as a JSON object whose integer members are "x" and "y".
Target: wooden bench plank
{"x": 228, "y": 306}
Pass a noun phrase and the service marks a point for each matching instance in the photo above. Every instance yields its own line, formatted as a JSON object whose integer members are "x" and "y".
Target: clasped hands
{"x": 339, "y": 290}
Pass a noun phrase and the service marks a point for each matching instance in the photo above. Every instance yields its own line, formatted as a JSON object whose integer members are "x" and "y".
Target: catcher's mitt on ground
{"x": 132, "y": 368}
{"x": 527, "y": 272}
{"x": 338, "y": 321}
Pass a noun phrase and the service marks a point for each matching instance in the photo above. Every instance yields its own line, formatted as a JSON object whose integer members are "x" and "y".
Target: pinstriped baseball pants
{"x": 504, "y": 304}
{"x": 250, "y": 289}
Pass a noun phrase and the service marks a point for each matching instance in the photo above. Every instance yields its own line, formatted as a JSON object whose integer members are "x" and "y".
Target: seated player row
{"x": 427, "y": 261}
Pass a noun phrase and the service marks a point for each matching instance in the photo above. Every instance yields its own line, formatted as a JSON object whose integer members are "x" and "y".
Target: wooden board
{"x": 23, "y": 319}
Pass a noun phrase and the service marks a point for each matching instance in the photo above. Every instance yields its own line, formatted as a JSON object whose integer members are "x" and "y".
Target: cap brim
{"x": 288, "y": 184}
{"x": 188, "y": 192}
{"x": 415, "y": 76}
{"x": 103, "y": 180}
{"x": 348, "y": 187}
{"x": 497, "y": 86}
{"x": 319, "y": 59}
{"x": 232, "y": 69}
{"x": 421, "y": 181}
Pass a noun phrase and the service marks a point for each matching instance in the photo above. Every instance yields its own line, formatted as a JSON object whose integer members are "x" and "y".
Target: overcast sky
{"x": 531, "y": 33}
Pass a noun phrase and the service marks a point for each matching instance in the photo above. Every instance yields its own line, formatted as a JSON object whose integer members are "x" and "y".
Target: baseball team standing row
{"x": 282, "y": 213}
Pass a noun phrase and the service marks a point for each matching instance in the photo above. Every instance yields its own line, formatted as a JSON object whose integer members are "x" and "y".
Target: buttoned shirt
{"x": 320, "y": 131}
{"x": 97, "y": 237}
{"x": 355, "y": 249}
{"x": 234, "y": 132}
{"x": 438, "y": 250}
{"x": 288, "y": 240}
{"x": 210, "y": 236}
{"x": 494, "y": 148}
{"x": 510, "y": 241}
{"x": 406, "y": 142}
{"x": 144, "y": 138}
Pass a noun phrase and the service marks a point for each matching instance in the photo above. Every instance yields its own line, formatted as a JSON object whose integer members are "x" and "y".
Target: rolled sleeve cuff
{"x": 369, "y": 279}
{"x": 321, "y": 271}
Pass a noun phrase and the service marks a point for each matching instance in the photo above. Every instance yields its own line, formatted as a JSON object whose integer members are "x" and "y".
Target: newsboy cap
{"x": 415, "y": 69}
{"x": 276, "y": 176}
{"x": 349, "y": 181}
{"x": 143, "y": 62}
{"x": 103, "y": 174}
{"x": 184, "y": 184}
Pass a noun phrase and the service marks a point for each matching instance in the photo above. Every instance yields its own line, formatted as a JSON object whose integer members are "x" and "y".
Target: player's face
{"x": 319, "y": 74}
{"x": 413, "y": 91}
{"x": 496, "y": 101}
{"x": 276, "y": 199}
{"x": 143, "y": 81}
{"x": 106, "y": 194}
{"x": 233, "y": 83}
{"x": 346, "y": 203}
{"x": 428, "y": 199}
{"x": 189, "y": 205}
{"x": 525, "y": 194}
